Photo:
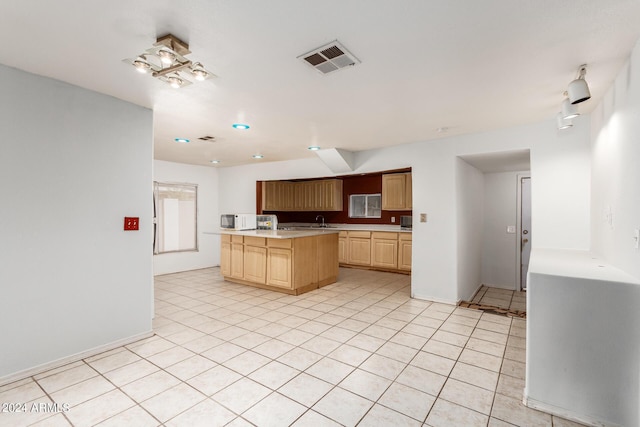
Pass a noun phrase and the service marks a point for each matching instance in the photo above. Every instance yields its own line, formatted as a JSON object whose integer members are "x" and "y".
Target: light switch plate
{"x": 511, "y": 229}
{"x": 423, "y": 217}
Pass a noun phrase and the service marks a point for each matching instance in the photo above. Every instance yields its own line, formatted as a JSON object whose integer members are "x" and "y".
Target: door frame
{"x": 519, "y": 177}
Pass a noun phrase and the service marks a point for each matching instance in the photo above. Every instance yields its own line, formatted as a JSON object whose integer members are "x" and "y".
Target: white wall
{"x": 208, "y": 254}
{"x": 616, "y": 172}
{"x": 560, "y": 167}
{"x": 73, "y": 164}
{"x": 499, "y": 248}
{"x": 470, "y": 217}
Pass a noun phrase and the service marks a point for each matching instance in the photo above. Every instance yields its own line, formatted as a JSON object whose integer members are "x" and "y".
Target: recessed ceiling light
{"x": 183, "y": 140}
{"x": 215, "y": 162}
{"x": 258, "y": 156}
{"x": 240, "y": 126}
{"x": 313, "y": 148}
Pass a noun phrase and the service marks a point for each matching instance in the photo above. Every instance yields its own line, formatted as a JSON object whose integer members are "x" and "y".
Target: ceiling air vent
{"x": 330, "y": 57}
{"x": 207, "y": 138}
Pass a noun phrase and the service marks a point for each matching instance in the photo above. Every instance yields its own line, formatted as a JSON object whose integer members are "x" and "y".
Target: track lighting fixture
{"x": 569, "y": 110}
{"x": 563, "y": 123}
{"x": 579, "y": 89}
{"x": 166, "y": 61}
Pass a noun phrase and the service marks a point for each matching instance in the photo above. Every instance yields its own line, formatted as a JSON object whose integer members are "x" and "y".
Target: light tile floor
{"x": 502, "y": 298}
{"x": 359, "y": 352}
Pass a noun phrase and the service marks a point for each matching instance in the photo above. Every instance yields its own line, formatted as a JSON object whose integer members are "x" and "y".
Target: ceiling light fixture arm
{"x": 172, "y": 69}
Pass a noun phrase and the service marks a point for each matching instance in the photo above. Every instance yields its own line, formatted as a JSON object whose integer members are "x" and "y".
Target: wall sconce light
{"x": 166, "y": 61}
{"x": 579, "y": 89}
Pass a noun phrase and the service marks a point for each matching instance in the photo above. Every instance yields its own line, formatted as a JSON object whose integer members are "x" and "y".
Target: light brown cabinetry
{"x": 359, "y": 247}
{"x": 255, "y": 260}
{"x": 384, "y": 250}
{"x": 293, "y": 265}
{"x": 404, "y": 251}
{"x": 397, "y": 191}
{"x": 316, "y": 195}
{"x": 381, "y": 250}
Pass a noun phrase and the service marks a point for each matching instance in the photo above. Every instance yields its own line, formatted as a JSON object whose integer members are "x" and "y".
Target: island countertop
{"x": 280, "y": 234}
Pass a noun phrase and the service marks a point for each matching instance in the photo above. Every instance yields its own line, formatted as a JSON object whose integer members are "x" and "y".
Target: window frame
{"x": 366, "y": 205}
{"x": 157, "y": 212}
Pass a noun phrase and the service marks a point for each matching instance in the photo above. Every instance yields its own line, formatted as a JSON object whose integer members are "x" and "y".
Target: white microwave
{"x": 238, "y": 221}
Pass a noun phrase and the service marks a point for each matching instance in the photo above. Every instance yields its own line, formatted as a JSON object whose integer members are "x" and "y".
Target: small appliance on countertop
{"x": 406, "y": 222}
{"x": 238, "y": 221}
{"x": 267, "y": 222}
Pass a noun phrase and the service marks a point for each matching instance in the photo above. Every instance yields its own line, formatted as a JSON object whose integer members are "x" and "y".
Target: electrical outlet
{"x": 511, "y": 229}
{"x": 423, "y": 217}
{"x": 393, "y": 219}
{"x": 131, "y": 223}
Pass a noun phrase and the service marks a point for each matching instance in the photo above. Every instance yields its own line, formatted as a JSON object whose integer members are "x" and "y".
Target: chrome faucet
{"x": 323, "y": 225}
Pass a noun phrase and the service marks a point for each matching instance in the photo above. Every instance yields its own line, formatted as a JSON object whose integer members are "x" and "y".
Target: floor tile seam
{"x": 97, "y": 374}
{"x": 493, "y": 401}
{"x": 116, "y": 387}
{"x": 46, "y": 394}
{"x": 466, "y": 407}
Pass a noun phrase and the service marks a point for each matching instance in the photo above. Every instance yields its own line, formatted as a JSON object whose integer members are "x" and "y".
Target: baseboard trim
{"x": 20, "y": 375}
{"x": 432, "y": 299}
{"x": 565, "y": 413}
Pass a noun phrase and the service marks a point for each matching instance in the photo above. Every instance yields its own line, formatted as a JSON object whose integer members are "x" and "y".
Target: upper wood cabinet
{"x": 396, "y": 191}
{"x": 316, "y": 195}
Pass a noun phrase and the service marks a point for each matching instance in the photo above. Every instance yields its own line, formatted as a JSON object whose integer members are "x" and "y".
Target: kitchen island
{"x": 289, "y": 261}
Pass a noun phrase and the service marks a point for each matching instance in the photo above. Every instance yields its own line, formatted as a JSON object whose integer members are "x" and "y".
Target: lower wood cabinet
{"x": 255, "y": 264}
{"x": 279, "y": 268}
{"x": 359, "y": 247}
{"x": 382, "y": 250}
{"x": 292, "y": 265}
{"x": 404, "y": 251}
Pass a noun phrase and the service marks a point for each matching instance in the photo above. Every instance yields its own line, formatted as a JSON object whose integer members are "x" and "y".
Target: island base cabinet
{"x": 279, "y": 268}
{"x": 291, "y": 265}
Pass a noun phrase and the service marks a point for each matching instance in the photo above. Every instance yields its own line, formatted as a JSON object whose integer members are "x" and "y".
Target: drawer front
{"x": 343, "y": 234}
{"x": 255, "y": 241}
{"x": 384, "y": 235}
{"x": 405, "y": 236}
{"x": 279, "y": 243}
{"x": 360, "y": 234}
{"x": 236, "y": 239}
{"x": 226, "y": 238}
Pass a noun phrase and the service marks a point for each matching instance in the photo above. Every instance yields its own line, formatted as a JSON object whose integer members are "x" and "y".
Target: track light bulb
{"x": 175, "y": 82}
{"x": 199, "y": 72}
{"x": 166, "y": 56}
{"x": 141, "y": 65}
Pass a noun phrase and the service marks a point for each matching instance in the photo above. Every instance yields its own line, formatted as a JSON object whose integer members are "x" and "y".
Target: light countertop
{"x": 280, "y": 234}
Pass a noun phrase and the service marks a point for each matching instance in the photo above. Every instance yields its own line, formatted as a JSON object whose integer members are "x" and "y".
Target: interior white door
{"x": 525, "y": 232}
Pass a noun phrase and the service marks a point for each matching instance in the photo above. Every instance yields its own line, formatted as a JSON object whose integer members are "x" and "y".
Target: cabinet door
{"x": 342, "y": 250}
{"x": 404, "y": 255}
{"x": 309, "y": 202}
{"x": 332, "y": 195}
{"x": 279, "y": 271}
{"x": 286, "y": 196}
{"x": 408, "y": 191}
{"x": 237, "y": 260}
{"x": 270, "y": 195}
{"x": 393, "y": 191}
{"x": 384, "y": 250}
{"x": 359, "y": 250}
{"x": 225, "y": 259}
{"x": 298, "y": 196}
{"x": 255, "y": 264}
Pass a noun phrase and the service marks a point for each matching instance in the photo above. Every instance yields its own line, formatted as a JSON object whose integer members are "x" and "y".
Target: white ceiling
{"x": 469, "y": 66}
